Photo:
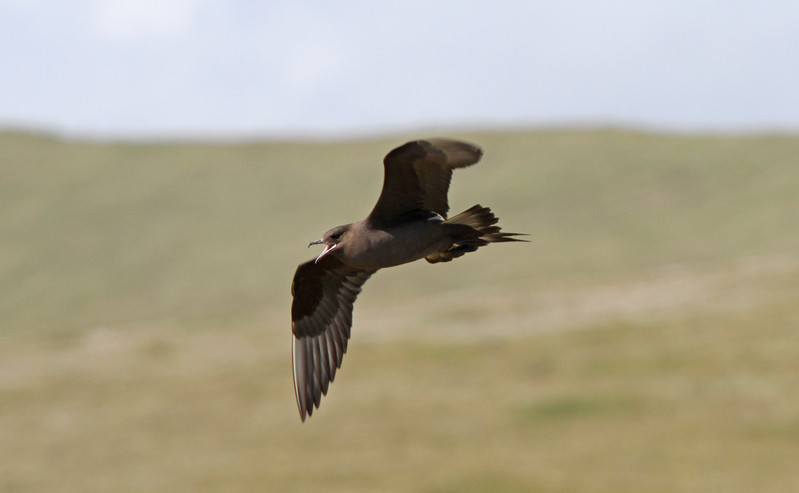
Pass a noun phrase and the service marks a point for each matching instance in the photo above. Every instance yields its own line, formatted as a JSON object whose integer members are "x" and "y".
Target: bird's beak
{"x": 328, "y": 249}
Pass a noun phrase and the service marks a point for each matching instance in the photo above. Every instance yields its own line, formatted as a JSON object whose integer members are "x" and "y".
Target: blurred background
{"x": 164, "y": 164}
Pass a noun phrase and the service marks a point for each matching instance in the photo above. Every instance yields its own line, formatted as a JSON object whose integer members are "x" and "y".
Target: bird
{"x": 409, "y": 222}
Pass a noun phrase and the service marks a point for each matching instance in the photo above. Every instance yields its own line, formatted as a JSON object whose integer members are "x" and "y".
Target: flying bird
{"x": 408, "y": 222}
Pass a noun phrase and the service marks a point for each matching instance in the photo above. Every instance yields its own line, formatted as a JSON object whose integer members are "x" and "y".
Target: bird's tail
{"x": 471, "y": 229}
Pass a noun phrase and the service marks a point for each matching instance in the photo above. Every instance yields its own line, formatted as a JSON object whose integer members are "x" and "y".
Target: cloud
{"x": 131, "y": 20}
{"x": 144, "y": 67}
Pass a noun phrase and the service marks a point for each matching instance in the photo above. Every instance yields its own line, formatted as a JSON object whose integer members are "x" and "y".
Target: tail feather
{"x": 472, "y": 229}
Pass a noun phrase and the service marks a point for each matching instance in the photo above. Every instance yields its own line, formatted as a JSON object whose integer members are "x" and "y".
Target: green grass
{"x": 645, "y": 340}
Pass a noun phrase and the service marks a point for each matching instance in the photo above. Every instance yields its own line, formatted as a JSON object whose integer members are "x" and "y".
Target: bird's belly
{"x": 400, "y": 245}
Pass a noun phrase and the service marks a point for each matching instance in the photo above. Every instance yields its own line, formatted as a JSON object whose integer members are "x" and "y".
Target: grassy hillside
{"x": 645, "y": 340}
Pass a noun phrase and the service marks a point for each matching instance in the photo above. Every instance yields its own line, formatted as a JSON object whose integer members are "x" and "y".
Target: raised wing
{"x": 321, "y": 317}
{"x": 417, "y": 177}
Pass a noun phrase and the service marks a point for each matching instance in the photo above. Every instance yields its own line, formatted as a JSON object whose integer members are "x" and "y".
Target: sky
{"x": 227, "y": 68}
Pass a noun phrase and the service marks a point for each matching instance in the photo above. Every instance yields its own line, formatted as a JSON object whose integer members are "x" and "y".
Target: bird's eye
{"x": 335, "y": 236}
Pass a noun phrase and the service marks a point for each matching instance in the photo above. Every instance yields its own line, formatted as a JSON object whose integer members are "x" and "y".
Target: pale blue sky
{"x": 170, "y": 68}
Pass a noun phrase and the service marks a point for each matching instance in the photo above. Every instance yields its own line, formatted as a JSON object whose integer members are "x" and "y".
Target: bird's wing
{"x": 321, "y": 317}
{"x": 417, "y": 177}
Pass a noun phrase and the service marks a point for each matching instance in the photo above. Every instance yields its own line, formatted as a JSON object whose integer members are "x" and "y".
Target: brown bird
{"x": 409, "y": 222}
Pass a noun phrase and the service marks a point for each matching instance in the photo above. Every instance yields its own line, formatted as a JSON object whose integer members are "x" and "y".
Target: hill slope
{"x": 645, "y": 340}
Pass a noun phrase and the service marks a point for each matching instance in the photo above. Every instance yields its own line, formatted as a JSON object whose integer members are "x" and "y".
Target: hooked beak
{"x": 328, "y": 248}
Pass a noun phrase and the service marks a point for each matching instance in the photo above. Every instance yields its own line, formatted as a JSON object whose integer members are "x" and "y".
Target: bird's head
{"x": 333, "y": 239}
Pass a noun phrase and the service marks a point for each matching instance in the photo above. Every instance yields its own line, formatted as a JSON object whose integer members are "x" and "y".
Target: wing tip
{"x": 458, "y": 153}
{"x": 451, "y": 153}
{"x": 300, "y": 376}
